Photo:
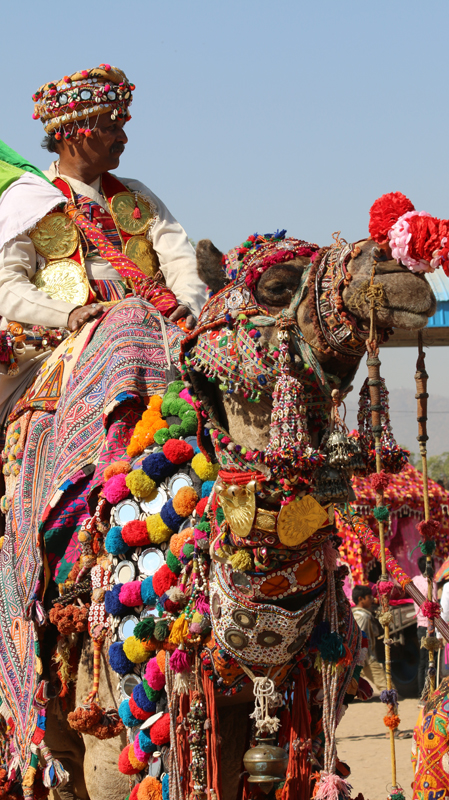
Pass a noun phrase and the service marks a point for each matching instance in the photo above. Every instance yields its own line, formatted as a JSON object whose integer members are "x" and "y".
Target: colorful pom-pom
{"x": 199, "y": 508}
{"x": 130, "y": 594}
{"x": 157, "y": 466}
{"x": 138, "y": 712}
{"x": 150, "y": 789}
{"x": 172, "y": 562}
{"x": 207, "y": 488}
{"x": 118, "y": 660}
{"x": 178, "y": 540}
{"x": 140, "y": 484}
{"x": 116, "y": 468}
{"x": 170, "y": 517}
{"x": 157, "y": 530}
{"x": 144, "y": 629}
{"x": 135, "y": 533}
{"x": 145, "y": 742}
{"x": 185, "y": 501}
{"x": 125, "y": 715}
{"x": 163, "y": 579}
{"x": 179, "y": 661}
{"x": 141, "y": 699}
{"x": 115, "y": 489}
{"x": 112, "y": 602}
{"x": 124, "y": 763}
{"x": 165, "y": 787}
{"x": 149, "y": 596}
{"x": 178, "y": 451}
{"x": 135, "y": 650}
{"x": 205, "y": 470}
{"x": 161, "y": 436}
{"x": 154, "y": 676}
{"x": 114, "y": 542}
{"x": 160, "y": 731}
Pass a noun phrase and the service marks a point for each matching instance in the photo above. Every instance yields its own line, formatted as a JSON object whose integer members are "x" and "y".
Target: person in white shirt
{"x": 84, "y": 117}
{"x": 420, "y": 581}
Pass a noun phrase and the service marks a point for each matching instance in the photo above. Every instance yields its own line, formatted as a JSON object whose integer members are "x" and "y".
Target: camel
{"x": 286, "y": 289}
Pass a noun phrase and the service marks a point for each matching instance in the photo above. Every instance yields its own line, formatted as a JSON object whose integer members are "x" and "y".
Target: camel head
{"x": 324, "y": 297}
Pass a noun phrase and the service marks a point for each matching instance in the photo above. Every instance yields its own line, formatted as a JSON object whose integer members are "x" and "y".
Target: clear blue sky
{"x": 252, "y": 115}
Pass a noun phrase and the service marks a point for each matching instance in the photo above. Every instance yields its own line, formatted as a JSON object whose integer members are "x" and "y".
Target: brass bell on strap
{"x": 266, "y": 764}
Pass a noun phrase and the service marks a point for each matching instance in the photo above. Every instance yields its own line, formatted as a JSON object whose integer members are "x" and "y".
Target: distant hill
{"x": 403, "y": 420}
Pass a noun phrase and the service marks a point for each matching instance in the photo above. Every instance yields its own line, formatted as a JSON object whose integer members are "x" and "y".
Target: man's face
{"x": 367, "y": 601}
{"x": 105, "y": 145}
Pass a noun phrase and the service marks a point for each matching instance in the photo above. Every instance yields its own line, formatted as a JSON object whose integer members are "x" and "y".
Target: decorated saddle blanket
{"x": 63, "y": 451}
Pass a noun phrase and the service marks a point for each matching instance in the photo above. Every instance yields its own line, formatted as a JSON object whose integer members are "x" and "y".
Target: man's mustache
{"x": 117, "y": 149}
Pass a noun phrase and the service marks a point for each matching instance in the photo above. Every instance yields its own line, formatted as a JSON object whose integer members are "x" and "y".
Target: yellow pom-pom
{"x": 197, "y": 617}
{"x": 242, "y": 561}
{"x": 157, "y": 529}
{"x": 185, "y": 501}
{"x": 135, "y": 650}
{"x": 140, "y": 484}
{"x": 179, "y": 630}
{"x": 205, "y": 470}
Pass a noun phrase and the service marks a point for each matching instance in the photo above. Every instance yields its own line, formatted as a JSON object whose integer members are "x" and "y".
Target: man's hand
{"x": 79, "y": 316}
{"x": 183, "y": 311}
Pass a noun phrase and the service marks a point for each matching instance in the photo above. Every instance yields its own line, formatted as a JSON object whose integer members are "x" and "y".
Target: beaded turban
{"x": 260, "y": 252}
{"x": 64, "y": 106}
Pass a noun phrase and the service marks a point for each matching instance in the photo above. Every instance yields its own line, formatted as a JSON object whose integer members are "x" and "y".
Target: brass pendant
{"x": 55, "y": 236}
{"x": 142, "y": 252}
{"x": 300, "y": 519}
{"x": 65, "y": 280}
{"x": 122, "y": 207}
{"x": 239, "y": 510}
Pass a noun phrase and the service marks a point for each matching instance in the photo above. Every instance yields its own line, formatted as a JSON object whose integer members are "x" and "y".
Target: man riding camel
{"x": 57, "y": 274}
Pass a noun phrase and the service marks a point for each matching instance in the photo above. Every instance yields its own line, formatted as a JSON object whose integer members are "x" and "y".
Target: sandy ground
{"x": 363, "y": 745}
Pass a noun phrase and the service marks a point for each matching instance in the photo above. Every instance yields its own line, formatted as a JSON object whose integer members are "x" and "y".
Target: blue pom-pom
{"x": 125, "y": 715}
{"x": 145, "y": 742}
{"x": 149, "y": 596}
{"x": 157, "y": 466}
{"x": 170, "y": 517}
{"x": 165, "y": 788}
{"x": 112, "y": 603}
{"x": 117, "y": 659}
{"x": 141, "y": 700}
{"x": 114, "y": 541}
{"x": 206, "y": 488}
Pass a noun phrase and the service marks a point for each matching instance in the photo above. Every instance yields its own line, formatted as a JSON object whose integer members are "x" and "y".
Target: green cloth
{"x": 12, "y": 166}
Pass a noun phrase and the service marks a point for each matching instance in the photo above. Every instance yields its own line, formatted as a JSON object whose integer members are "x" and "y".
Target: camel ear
{"x": 209, "y": 266}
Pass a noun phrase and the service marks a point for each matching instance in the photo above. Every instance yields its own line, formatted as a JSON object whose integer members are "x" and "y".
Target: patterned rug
{"x": 122, "y": 364}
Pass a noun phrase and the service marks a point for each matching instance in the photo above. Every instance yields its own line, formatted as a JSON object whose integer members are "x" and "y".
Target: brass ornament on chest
{"x": 142, "y": 252}
{"x": 123, "y": 206}
{"x": 55, "y": 236}
{"x": 64, "y": 280}
{"x": 299, "y": 520}
{"x": 239, "y": 507}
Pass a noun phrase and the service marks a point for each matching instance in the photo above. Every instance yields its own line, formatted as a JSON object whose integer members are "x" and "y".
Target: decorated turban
{"x": 260, "y": 252}
{"x": 65, "y": 106}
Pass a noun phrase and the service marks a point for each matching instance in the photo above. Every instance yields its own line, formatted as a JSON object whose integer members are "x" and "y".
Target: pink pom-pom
{"x": 430, "y": 610}
{"x": 380, "y": 481}
{"x": 130, "y": 594}
{"x": 154, "y": 676}
{"x": 35, "y": 116}
{"x": 179, "y": 661}
{"x": 385, "y": 587}
{"x": 140, "y": 754}
{"x": 201, "y": 604}
{"x": 85, "y": 73}
{"x": 160, "y": 731}
{"x": 115, "y": 489}
{"x": 185, "y": 395}
{"x": 195, "y": 627}
{"x": 107, "y": 67}
{"x": 107, "y": 87}
{"x": 332, "y": 787}
{"x": 72, "y": 104}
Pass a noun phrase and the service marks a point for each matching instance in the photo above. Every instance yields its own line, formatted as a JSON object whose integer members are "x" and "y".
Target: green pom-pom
{"x": 175, "y": 387}
{"x": 204, "y": 526}
{"x": 176, "y": 431}
{"x": 187, "y": 550}
{"x": 381, "y": 513}
{"x": 189, "y": 425}
{"x": 152, "y": 694}
{"x": 144, "y": 630}
{"x": 219, "y": 515}
{"x": 162, "y": 435}
{"x": 161, "y": 630}
{"x": 331, "y": 647}
{"x": 184, "y": 407}
{"x": 427, "y": 547}
{"x": 173, "y": 563}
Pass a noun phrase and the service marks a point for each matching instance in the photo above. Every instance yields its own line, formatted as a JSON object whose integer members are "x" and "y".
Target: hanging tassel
{"x": 332, "y": 787}
{"x": 136, "y": 213}
{"x": 297, "y": 783}
{"x": 54, "y": 774}
{"x": 97, "y": 664}
{"x": 213, "y": 741}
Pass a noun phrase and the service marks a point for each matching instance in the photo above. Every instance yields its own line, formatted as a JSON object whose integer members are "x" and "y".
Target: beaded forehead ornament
{"x": 260, "y": 252}
{"x": 63, "y": 105}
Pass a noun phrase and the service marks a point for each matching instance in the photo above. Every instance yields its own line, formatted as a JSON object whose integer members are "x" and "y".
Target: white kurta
{"x": 21, "y": 301}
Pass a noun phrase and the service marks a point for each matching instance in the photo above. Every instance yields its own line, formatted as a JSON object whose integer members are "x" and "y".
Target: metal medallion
{"x": 297, "y": 521}
{"x": 65, "y": 280}
{"x": 123, "y": 205}
{"x": 239, "y": 511}
{"x": 142, "y": 252}
{"x": 55, "y": 236}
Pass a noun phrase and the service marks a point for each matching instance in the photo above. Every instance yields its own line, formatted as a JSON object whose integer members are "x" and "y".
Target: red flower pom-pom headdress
{"x": 417, "y": 240}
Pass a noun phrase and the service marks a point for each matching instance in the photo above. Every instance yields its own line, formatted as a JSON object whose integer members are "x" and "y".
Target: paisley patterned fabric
{"x": 430, "y": 751}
